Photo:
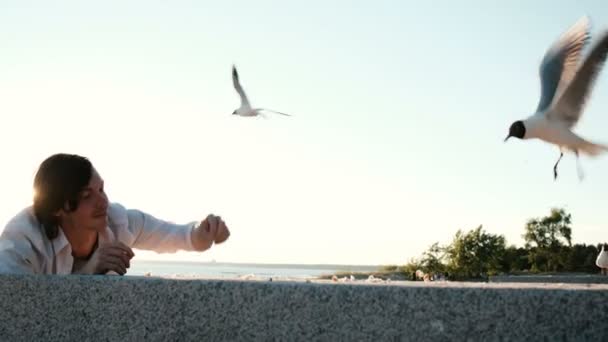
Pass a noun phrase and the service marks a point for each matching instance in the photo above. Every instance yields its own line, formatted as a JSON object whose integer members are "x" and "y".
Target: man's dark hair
{"x": 57, "y": 185}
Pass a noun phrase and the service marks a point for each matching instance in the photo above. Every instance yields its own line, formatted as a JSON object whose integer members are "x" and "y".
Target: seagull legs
{"x": 561, "y": 154}
{"x": 259, "y": 113}
{"x": 579, "y": 169}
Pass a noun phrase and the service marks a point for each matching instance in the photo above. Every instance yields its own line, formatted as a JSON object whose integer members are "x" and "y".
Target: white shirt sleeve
{"x": 17, "y": 256}
{"x": 157, "y": 235}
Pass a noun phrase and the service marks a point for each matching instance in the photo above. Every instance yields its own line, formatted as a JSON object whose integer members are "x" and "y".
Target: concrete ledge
{"x": 116, "y": 308}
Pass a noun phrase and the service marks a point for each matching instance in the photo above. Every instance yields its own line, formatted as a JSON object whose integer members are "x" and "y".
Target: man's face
{"x": 92, "y": 207}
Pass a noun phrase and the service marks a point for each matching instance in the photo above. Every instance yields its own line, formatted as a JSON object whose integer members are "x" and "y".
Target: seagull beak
{"x": 507, "y": 138}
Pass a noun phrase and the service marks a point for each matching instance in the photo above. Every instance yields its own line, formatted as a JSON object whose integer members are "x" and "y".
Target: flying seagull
{"x": 566, "y": 85}
{"x": 246, "y": 109}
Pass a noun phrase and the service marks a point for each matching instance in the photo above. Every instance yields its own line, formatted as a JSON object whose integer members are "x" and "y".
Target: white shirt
{"x": 25, "y": 248}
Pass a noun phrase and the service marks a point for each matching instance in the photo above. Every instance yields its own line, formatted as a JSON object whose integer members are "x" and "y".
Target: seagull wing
{"x": 560, "y": 62}
{"x": 569, "y": 106}
{"x": 239, "y": 88}
{"x": 272, "y": 111}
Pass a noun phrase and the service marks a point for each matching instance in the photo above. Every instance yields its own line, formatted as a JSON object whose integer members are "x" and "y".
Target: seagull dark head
{"x": 517, "y": 130}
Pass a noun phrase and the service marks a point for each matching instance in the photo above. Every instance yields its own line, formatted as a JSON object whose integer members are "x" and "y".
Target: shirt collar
{"x": 63, "y": 259}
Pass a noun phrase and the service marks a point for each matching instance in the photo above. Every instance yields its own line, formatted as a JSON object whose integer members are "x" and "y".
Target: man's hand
{"x": 114, "y": 256}
{"x": 212, "y": 229}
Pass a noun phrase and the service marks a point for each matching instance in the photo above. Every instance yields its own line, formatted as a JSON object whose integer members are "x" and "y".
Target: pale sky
{"x": 399, "y": 113}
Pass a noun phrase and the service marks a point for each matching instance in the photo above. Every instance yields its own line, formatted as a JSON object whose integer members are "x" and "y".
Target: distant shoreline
{"x": 333, "y": 267}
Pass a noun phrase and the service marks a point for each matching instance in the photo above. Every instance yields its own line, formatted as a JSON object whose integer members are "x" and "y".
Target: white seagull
{"x": 566, "y": 85}
{"x": 602, "y": 261}
{"x": 246, "y": 109}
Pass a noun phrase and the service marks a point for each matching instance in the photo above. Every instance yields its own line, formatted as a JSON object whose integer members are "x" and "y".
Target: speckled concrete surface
{"x": 113, "y": 308}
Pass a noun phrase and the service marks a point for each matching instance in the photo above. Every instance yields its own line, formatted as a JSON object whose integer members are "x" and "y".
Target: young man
{"x": 73, "y": 228}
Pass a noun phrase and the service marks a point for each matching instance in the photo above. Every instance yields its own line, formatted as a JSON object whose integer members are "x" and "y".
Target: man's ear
{"x": 63, "y": 211}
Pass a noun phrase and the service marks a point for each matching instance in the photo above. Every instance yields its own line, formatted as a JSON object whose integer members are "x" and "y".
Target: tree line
{"x": 477, "y": 254}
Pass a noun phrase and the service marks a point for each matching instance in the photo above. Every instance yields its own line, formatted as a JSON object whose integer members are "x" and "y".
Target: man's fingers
{"x": 213, "y": 224}
{"x": 126, "y": 248}
{"x": 116, "y": 259}
{"x": 119, "y": 253}
{"x": 216, "y": 228}
{"x": 222, "y": 233}
{"x": 205, "y": 224}
{"x": 115, "y": 250}
{"x": 119, "y": 246}
{"x": 110, "y": 265}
